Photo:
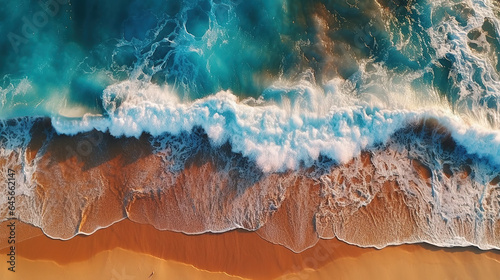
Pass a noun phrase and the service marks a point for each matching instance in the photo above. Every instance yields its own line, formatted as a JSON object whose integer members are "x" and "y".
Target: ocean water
{"x": 283, "y": 86}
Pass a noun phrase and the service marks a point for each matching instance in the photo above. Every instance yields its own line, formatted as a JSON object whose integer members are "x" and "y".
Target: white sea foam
{"x": 476, "y": 82}
{"x": 14, "y": 138}
{"x": 294, "y": 122}
{"x": 283, "y": 129}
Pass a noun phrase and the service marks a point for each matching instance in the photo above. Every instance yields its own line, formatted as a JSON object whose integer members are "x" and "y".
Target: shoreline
{"x": 236, "y": 253}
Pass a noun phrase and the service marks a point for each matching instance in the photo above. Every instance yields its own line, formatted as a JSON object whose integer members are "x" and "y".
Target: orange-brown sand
{"x": 136, "y": 251}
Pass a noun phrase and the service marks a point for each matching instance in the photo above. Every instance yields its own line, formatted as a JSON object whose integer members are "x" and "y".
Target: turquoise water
{"x": 75, "y": 49}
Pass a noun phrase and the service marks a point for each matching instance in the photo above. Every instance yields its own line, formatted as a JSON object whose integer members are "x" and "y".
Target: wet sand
{"x": 137, "y": 250}
{"x": 78, "y": 190}
{"x": 384, "y": 196}
{"x": 364, "y": 201}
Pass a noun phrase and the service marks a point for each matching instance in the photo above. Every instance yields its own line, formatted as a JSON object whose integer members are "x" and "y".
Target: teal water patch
{"x": 40, "y": 60}
{"x": 59, "y": 56}
{"x": 198, "y": 48}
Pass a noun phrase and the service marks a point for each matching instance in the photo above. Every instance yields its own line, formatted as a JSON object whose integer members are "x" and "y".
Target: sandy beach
{"x": 127, "y": 249}
{"x": 122, "y": 180}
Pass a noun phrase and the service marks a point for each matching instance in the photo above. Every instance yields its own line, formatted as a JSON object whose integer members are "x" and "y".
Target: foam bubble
{"x": 14, "y": 139}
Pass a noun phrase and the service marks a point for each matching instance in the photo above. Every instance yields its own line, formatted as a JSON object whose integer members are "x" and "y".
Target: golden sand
{"x": 400, "y": 263}
{"x": 116, "y": 264}
{"x": 137, "y": 250}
